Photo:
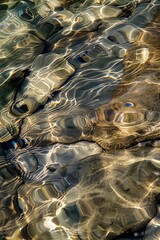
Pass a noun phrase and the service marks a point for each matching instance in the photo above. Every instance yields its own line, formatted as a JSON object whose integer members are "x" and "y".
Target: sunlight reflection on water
{"x": 79, "y": 119}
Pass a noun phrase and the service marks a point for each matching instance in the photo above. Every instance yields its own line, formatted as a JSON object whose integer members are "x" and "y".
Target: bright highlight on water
{"x": 80, "y": 120}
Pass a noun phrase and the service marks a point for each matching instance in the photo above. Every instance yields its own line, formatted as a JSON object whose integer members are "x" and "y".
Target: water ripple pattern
{"x": 80, "y": 119}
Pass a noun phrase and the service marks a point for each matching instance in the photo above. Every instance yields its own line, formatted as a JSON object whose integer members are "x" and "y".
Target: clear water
{"x": 79, "y": 120}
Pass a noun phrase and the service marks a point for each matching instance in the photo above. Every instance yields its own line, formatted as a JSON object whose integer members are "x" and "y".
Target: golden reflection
{"x": 79, "y": 89}
{"x": 101, "y": 196}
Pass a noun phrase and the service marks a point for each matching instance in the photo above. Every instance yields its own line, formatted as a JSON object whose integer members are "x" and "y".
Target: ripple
{"x": 48, "y": 72}
{"x": 79, "y": 90}
{"x": 73, "y": 197}
{"x": 153, "y": 228}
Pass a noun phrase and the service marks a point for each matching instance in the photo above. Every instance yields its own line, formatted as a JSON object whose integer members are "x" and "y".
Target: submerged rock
{"x": 131, "y": 116}
{"x": 98, "y": 197}
{"x": 78, "y": 77}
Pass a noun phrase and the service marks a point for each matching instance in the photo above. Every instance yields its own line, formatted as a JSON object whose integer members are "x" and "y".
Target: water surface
{"x": 79, "y": 120}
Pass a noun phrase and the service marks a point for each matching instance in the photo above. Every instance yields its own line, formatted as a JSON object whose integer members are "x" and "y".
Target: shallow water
{"x": 79, "y": 120}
